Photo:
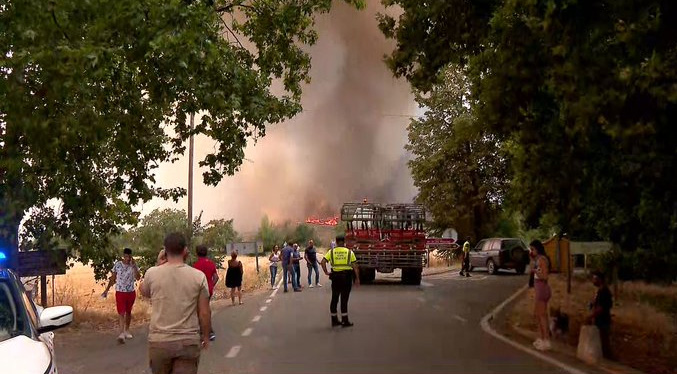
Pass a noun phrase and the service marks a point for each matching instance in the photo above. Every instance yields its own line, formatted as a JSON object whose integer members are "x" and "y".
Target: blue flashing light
{"x": 2, "y": 256}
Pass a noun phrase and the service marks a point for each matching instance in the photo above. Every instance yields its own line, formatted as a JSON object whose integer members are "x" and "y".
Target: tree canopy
{"x": 95, "y": 94}
{"x": 582, "y": 95}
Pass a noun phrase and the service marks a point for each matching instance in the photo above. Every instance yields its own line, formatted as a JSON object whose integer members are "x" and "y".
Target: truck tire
{"x": 491, "y": 267}
{"x": 411, "y": 276}
{"x": 367, "y": 275}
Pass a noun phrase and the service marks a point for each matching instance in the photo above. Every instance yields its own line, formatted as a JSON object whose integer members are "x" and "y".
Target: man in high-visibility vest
{"x": 465, "y": 265}
{"x": 343, "y": 267}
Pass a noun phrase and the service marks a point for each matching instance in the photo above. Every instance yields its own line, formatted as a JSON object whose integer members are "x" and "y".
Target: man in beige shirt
{"x": 179, "y": 298}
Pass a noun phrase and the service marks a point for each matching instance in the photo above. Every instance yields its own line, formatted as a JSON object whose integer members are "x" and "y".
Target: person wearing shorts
{"x": 124, "y": 274}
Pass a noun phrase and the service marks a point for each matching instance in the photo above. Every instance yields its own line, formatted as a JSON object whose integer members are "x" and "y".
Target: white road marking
{"x": 268, "y": 301}
{"x": 263, "y": 308}
{"x": 247, "y": 331}
{"x": 489, "y": 330}
{"x": 256, "y": 318}
{"x": 234, "y": 351}
{"x": 460, "y": 318}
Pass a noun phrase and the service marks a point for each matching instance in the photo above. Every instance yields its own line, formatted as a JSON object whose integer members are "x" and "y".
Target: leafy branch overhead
{"x": 580, "y": 96}
{"x": 94, "y": 95}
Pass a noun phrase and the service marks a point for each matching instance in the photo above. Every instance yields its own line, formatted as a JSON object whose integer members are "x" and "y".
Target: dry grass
{"x": 644, "y": 331}
{"x": 78, "y": 289}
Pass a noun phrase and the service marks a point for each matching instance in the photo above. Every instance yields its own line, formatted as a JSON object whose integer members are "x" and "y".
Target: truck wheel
{"x": 411, "y": 276}
{"x": 416, "y": 276}
{"x": 491, "y": 267}
{"x": 367, "y": 275}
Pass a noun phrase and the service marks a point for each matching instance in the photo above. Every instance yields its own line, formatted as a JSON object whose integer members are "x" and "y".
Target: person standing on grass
{"x": 124, "y": 274}
{"x": 541, "y": 271}
{"x": 600, "y": 312}
{"x": 180, "y": 318}
{"x": 207, "y": 266}
{"x": 310, "y": 255}
{"x": 274, "y": 259}
{"x": 234, "y": 277}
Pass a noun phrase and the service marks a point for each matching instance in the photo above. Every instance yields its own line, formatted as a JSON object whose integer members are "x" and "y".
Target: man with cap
{"x": 343, "y": 267}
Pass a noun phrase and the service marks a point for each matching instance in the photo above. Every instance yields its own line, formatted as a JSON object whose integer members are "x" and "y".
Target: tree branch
{"x": 56, "y": 22}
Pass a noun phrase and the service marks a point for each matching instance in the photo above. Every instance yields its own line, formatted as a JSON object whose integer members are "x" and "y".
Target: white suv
{"x": 26, "y": 340}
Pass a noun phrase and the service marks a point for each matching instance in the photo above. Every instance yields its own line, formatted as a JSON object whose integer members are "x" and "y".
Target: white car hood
{"x": 24, "y": 355}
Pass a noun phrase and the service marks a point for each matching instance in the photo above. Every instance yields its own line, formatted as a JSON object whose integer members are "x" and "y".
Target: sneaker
{"x": 212, "y": 336}
{"x": 297, "y": 290}
{"x": 542, "y": 345}
{"x": 128, "y": 335}
{"x": 310, "y": 286}
{"x": 121, "y": 338}
{"x": 545, "y": 345}
{"x": 319, "y": 285}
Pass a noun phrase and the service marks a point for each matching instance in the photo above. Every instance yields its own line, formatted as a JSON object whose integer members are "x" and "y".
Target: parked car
{"x": 500, "y": 253}
{"x": 26, "y": 340}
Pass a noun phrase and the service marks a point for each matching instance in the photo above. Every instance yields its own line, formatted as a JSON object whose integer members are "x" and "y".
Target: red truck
{"x": 385, "y": 238}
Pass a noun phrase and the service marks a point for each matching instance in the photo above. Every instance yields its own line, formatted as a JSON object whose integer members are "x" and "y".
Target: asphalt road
{"x": 432, "y": 328}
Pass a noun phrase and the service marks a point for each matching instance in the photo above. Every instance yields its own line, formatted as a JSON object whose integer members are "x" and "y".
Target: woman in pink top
{"x": 541, "y": 270}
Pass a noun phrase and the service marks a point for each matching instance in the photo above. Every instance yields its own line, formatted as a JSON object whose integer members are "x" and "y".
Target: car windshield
{"x": 12, "y": 318}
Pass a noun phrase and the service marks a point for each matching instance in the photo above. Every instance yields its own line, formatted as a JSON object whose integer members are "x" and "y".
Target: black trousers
{"x": 341, "y": 284}
{"x": 465, "y": 265}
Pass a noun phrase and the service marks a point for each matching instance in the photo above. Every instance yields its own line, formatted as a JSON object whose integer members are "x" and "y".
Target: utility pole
{"x": 190, "y": 177}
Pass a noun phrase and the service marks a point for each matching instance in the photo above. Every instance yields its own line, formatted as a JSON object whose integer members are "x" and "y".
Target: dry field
{"x": 644, "y": 331}
{"x": 78, "y": 289}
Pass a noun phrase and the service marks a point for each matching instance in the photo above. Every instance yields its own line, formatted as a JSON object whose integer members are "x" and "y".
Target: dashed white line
{"x": 256, "y": 318}
{"x": 263, "y": 308}
{"x": 460, "y": 318}
{"x": 234, "y": 351}
{"x": 247, "y": 331}
{"x": 268, "y": 301}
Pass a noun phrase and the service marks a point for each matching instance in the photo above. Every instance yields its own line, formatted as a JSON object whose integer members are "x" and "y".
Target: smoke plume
{"x": 346, "y": 145}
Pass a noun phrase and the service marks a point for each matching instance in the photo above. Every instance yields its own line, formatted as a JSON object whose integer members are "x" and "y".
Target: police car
{"x": 26, "y": 340}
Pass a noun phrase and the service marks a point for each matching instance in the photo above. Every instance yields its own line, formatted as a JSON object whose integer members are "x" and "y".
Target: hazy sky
{"x": 346, "y": 145}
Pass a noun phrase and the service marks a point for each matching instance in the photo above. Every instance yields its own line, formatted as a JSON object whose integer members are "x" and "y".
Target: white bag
{"x": 589, "y": 344}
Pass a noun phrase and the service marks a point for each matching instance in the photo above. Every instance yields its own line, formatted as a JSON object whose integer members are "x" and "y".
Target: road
{"x": 432, "y": 328}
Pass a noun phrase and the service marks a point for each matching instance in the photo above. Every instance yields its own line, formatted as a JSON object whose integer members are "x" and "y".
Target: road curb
{"x": 486, "y": 326}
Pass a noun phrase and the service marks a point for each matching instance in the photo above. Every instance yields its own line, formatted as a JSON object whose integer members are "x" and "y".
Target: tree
{"x": 458, "y": 165}
{"x": 218, "y": 233}
{"x": 583, "y": 94}
{"x": 94, "y": 95}
{"x": 269, "y": 234}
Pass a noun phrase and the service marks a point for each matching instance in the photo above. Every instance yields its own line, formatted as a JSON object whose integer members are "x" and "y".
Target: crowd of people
{"x": 289, "y": 259}
{"x": 180, "y": 323}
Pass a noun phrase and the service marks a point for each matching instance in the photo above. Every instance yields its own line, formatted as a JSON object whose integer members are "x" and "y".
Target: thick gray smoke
{"x": 345, "y": 146}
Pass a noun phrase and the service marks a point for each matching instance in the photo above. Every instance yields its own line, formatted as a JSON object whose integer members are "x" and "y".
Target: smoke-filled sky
{"x": 347, "y": 144}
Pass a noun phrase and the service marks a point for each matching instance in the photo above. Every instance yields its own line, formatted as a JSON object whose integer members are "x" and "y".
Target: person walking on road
{"x": 288, "y": 268}
{"x": 207, "y": 266}
{"x": 180, "y": 318}
{"x": 542, "y": 290}
{"x": 296, "y": 261}
{"x": 274, "y": 259}
{"x": 124, "y": 274}
{"x": 465, "y": 262}
{"x": 600, "y": 312}
{"x": 343, "y": 267}
{"x": 234, "y": 277}
{"x": 310, "y": 255}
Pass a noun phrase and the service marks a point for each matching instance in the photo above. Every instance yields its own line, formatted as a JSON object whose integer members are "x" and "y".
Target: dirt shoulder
{"x": 644, "y": 332}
